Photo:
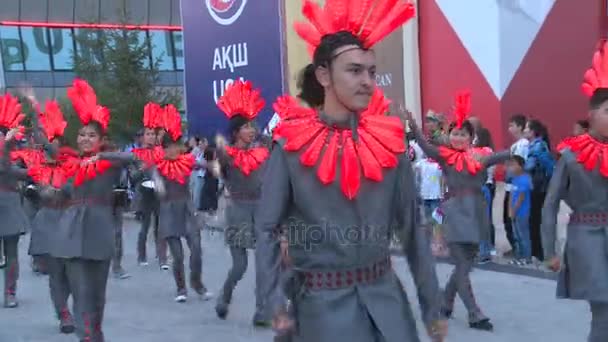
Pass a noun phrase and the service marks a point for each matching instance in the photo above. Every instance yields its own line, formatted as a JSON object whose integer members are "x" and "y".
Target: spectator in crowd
{"x": 210, "y": 191}
{"x": 581, "y": 127}
{"x": 430, "y": 188}
{"x": 483, "y": 138}
{"x": 519, "y": 209}
{"x": 539, "y": 165}
{"x": 434, "y": 125}
{"x": 517, "y": 124}
{"x": 196, "y": 178}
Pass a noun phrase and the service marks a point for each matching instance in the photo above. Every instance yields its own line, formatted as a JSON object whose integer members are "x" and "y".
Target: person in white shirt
{"x": 517, "y": 124}
{"x": 430, "y": 189}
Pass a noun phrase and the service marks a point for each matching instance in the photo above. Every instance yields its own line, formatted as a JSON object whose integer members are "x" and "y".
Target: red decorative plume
{"x": 153, "y": 115}
{"x": 462, "y": 107}
{"x": 369, "y": 20}
{"x": 85, "y": 104}
{"x": 241, "y": 99}
{"x": 171, "y": 121}
{"x": 10, "y": 113}
{"x": 52, "y": 120}
{"x": 597, "y": 76}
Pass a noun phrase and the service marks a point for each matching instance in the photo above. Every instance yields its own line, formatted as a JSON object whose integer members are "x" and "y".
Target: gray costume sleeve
{"x": 496, "y": 158}
{"x": 276, "y": 194}
{"x": 416, "y": 245}
{"x": 555, "y": 193}
{"x": 431, "y": 151}
{"x": 121, "y": 158}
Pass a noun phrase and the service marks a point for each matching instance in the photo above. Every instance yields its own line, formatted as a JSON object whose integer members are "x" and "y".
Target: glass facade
{"x": 43, "y": 49}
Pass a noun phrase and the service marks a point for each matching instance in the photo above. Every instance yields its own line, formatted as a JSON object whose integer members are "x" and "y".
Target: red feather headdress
{"x": 241, "y": 99}
{"x": 597, "y": 76}
{"x": 85, "y": 104}
{"x": 153, "y": 115}
{"x": 10, "y": 114}
{"x": 52, "y": 120}
{"x": 369, "y": 20}
{"x": 462, "y": 107}
{"x": 171, "y": 121}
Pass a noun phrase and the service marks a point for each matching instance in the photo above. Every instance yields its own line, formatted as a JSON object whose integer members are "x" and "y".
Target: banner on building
{"x": 226, "y": 40}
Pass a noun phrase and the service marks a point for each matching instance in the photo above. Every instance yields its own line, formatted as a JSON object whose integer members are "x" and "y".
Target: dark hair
{"x": 311, "y": 91}
{"x": 518, "y": 159}
{"x": 540, "y": 131}
{"x": 600, "y": 95}
{"x": 484, "y": 138}
{"x": 519, "y": 120}
{"x": 97, "y": 127}
{"x": 3, "y": 130}
{"x": 234, "y": 125}
{"x": 584, "y": 124}
{"x": 466, "y": 125}
{"x": 167, "y": 141}
{"x": 209, "y": 154}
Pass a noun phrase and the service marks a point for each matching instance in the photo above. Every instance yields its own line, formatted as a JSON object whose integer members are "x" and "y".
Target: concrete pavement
{"x": 142, "y": 309}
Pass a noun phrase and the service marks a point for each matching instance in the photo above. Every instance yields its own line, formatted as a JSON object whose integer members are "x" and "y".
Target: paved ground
{"x": 141, "y": 309}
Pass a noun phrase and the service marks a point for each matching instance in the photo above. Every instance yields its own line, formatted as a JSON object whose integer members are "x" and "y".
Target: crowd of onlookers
{"x": 527, "y": 176}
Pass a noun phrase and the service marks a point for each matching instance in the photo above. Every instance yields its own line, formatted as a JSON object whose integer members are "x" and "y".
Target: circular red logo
{"x": 222, "y": 6}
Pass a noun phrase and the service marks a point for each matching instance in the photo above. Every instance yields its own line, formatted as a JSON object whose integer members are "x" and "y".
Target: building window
{"x": 178, "y": 48}
{"x": 12, "y": 50}
{"x": 36, "y": 51}
{"x": 89, "y": 45}
{"x": 142, "y": 38}
{"x": 162, "y": 50}
{"x": 62, "y": 46}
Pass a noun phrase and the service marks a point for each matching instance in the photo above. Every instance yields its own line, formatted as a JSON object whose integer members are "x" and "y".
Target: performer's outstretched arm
{"x": 276, "y": 194}
{"x": 496, "y": 158}
{"x": 555, "y": 193}
{"x": 416, "y": 245}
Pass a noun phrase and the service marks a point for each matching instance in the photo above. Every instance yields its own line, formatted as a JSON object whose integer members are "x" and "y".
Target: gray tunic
{"x": 176, "y": 214}
{"x": 466, "y": 218}
{"x": 584, "y": 274}
{"x": 13, "y": 221}
{"x": 244, "y": 195}
{"x": 44, "y": 226}
{"x": 86, "y": 228}
{"x": 328, "y": 233}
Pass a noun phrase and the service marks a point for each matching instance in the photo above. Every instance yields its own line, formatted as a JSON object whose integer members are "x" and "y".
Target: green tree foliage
{"x": 117, "y": 64}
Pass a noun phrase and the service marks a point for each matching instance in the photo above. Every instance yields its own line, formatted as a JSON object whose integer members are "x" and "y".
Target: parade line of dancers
{"x": 335, "y": 162}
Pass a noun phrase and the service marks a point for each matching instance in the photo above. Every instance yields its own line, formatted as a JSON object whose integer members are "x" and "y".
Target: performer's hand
{"x": 285, "y": 252}
{"x": 554, "y": 264}
{"x": 282, "y": 324}
{"x": 10, "y": 135}
{"x": 438, "y": 330}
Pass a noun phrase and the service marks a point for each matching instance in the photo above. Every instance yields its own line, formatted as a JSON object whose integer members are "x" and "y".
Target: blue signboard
{"x": 226, "y": 40}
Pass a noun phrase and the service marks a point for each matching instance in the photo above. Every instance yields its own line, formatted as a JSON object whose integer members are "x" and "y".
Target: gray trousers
{"x": 193, "y": 239}
{"x": 460, "y": 282}
{"x": 11, "y": 270}
{"x": 118, "y": 248}
{"x": 236, "y": 273}
{"x": 88, "y": 280}
{"x": 149, "y": 213}
{"x": 59, "y": 285}
{"x": 599, "y": 322}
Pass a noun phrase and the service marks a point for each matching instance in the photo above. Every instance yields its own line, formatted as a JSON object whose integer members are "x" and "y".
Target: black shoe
{"x": 221, "y": 309}
{"x": 446, "y": 313}
{"x": 484, "y": 325}
{"x": 260, "y": 322}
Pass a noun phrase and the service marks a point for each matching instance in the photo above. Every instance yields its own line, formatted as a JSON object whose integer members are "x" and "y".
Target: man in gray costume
{"x": 339, "y": 180}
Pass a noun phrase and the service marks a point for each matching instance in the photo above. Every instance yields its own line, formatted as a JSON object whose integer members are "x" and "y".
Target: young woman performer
{"x": 13, "y": 219}
{"x": 149, "y": 204}
{"x": 176, "y": 216}
{"x": 466, "y": 220}
{"x": 86, "y": 232}
{"x": 581, "y": 179}
{"x": 242, "y": 165}
{"x": 50, "y": 176}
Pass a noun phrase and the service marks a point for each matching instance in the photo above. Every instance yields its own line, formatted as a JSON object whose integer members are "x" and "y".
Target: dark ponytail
{"x": 311, "y": 91}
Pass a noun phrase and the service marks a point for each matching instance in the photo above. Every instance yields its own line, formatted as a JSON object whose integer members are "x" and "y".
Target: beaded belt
{"x": 332, "y": 280}
{"x": 5, "y": 188}
{"x": 94, "y": 201}
{"x": 245, "y": 196}
{"x": 461, "y": 192}
{"x": 594, "y": 219}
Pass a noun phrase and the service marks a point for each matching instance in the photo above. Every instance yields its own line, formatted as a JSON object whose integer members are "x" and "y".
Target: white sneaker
{"x": 181, "y": 298}
{"x": 143, "y": 263}
{"x": 164, "y": 267}
{"x": 207, "y": 296}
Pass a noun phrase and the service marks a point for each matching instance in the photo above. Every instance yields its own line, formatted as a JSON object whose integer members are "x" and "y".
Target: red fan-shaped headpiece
{"x": 153, "y": 115}
{"x": 10, "y": 112}
{"x": 462, "y": 107}
{"x": 597, "y": 76}
{"x": 52, "y": 120}
{"x": 85, "y": 104}
{"x": 369, "y": 20}
{"x": 241, "y": 99}
{"x": 172, "y": 122}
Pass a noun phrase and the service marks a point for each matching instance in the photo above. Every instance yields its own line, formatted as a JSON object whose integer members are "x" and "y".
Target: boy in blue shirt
{"x": 519, "y": 209}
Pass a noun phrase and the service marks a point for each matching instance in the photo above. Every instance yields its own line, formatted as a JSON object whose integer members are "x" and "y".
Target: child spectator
{"x": 430, "y": 188}
{"x": 519, "y": 209}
